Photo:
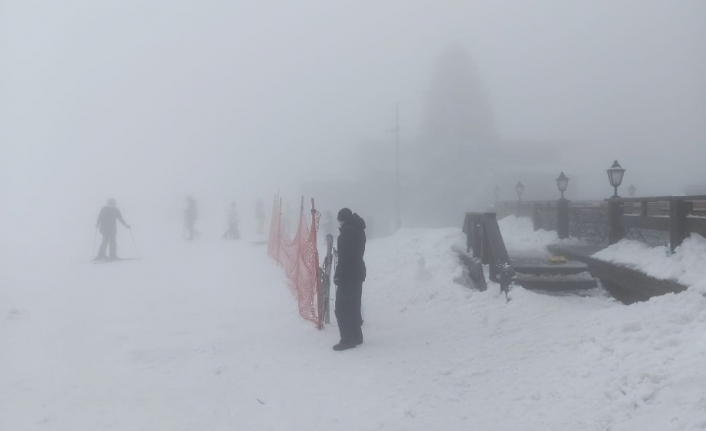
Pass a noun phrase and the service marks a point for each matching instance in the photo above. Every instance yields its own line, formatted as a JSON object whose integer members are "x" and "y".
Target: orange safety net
{"x": 299, "y": 257}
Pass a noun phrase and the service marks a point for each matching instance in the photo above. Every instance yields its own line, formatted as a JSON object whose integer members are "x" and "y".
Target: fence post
{"x": 616, "y": 231}
{"x": 279, "y": 229}
{"x": 477, "y": 229}
{"x": 484, "y": 244}
{"x": 678, "y": 211}
{"x": 468, "y": 228}
{"x": 562, "y": 218}
{"x": 489, "y": 257}
{"x": 536, "y": 219}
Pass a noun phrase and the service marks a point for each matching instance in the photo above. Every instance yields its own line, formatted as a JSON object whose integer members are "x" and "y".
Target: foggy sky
{"x": 150, "y": 101}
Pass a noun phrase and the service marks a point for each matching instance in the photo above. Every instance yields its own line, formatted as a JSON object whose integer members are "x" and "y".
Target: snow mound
{"x": 687, "y": 265}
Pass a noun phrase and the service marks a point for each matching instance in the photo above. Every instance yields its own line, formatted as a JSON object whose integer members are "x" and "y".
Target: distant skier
{"x": 108, "y": 227}
{"x": 349, "y": 277}
{"x": 190, "y": 216}
{"x": 260, "y": 215}
{"x": 232, "y": 232}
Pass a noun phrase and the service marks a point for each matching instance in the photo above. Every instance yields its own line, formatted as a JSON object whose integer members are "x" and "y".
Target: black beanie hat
{"x": 345, "y": 214}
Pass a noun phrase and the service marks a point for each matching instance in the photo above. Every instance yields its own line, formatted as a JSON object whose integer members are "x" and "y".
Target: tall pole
{"x": 398, "y": 219}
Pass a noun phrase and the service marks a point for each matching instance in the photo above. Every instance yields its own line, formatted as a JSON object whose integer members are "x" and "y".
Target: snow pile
{"x": 520, "y": 237}
{"x": 687, "y": 265}
{"x": 538, "y": 362}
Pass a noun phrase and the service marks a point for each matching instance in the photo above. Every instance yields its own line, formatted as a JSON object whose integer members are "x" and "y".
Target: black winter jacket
{"x": 107, "y": 219}
{"x": 351, "y": 248}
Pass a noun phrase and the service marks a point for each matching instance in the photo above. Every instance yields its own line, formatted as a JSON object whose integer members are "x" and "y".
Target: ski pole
{"x": 134, "y": 244}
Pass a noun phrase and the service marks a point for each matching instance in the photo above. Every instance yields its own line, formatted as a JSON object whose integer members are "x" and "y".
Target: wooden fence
{"x": 660, "y": 220}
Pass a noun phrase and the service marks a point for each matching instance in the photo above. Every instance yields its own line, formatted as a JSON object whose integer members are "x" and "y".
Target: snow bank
{"x": 687, "y": 265}
{"x": 537, "y": 362}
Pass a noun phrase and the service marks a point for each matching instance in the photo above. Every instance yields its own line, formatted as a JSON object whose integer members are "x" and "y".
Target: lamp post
{"x": 562, "y": 182}
{"x": 615, "y": 176}
{"x": 519, "y": 188}
{"x": 497, "y": 194}
{"x": 616, "y": 230}
{"x": 632, "y": 190}
{"x": 562, "y": 208}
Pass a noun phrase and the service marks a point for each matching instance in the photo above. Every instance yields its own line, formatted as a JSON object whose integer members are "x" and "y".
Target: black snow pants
{"x": 348, "y": 298}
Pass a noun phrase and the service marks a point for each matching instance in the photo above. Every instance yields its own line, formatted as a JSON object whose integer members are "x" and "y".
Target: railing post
{"x": 536, "y": 219}
{"x": 562, "y": 218}
{"x": 279, "y": 230}
{"x": 468, "y": 228}
{"x": 484, "y": 246}
{"x": 477, "y": 229}
{"x": 616, "y": 231}
{"x": 678, "y": 211}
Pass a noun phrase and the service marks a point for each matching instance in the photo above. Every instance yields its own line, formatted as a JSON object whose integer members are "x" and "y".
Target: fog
{"x": 148, "y": 102}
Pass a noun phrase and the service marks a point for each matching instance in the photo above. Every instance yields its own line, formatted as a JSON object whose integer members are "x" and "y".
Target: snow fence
{"x": 299, "y": 257}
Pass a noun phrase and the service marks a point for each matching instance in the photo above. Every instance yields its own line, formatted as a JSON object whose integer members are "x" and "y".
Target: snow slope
{"x": 205, "y": 335}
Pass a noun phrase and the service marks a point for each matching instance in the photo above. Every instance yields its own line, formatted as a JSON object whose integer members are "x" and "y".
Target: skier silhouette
{"x": 108, "y": 227}
{"x": 232, "y": 232}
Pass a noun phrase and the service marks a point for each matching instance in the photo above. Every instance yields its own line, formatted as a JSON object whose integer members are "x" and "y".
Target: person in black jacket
{"x": 349, "y": 277}
{"x": 108, "y": 226}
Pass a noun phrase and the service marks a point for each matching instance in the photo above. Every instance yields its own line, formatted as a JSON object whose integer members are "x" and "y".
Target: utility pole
{"x": 398, "y": 220}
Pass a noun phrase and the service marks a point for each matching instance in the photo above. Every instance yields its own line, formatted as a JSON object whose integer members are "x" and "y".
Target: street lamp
{"x": 497, "y": 193}
{"x": 562, "y": 182}
{"x": 519, "y": 188}
{"x": 632, "y": 190}
{"x": 562, "y": 208}
{"x": 615, "y": 176}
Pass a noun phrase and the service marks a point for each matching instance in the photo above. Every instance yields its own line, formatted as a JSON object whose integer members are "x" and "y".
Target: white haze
{"x": 149, "y": 102}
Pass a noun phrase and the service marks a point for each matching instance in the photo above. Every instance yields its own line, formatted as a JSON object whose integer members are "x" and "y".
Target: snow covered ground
{"x": 205, "y": 335}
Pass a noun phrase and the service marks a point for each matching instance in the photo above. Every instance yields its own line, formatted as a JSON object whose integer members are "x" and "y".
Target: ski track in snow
{"x": 206, "y": 335}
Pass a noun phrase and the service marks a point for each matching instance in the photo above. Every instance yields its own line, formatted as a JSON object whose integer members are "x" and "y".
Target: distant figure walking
{"x": 349, "y": 277}
{"x": 108, "y": 227}
{"x": 232, "y": 232}
{"x": 190, "y": 216}
{"x": 260, "y": 215}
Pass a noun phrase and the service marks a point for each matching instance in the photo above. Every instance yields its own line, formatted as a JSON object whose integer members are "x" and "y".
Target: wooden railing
{"x": 609, "y": 220}
{"x": 483, "y": 237}
{"x": 678, "y": 215}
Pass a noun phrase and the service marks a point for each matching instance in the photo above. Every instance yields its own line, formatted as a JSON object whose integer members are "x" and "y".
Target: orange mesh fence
{"x": 299, "y": 257}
